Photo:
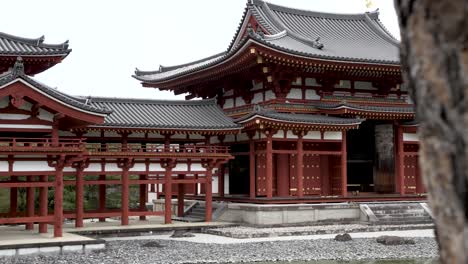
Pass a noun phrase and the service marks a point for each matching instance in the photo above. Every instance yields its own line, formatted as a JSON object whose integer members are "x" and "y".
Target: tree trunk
{"x": 434, "y": 57}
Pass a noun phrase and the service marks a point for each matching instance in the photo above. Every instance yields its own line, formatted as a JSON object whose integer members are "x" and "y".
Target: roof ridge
{"x": 315, "y": 13}
{"x": 39, "y": 42}
{"x": 151, "y": 101}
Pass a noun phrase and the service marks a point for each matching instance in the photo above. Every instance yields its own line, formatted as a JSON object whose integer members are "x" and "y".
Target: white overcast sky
{"x": 110, "y": 38}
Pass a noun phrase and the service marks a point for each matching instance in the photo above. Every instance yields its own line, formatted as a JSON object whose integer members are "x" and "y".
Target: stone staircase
{"x": 196, "y": 212}
{"x": 404, "y": 213}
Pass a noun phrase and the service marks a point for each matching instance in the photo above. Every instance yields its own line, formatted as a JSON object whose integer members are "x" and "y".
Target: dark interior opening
{"x": 361, "y": 154}
{"x": 239, "y": 175}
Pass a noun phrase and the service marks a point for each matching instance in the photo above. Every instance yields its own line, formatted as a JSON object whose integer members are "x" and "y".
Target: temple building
{"x": 302, "y": 107}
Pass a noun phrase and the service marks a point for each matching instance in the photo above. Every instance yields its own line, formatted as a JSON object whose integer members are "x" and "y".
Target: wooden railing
{"x": 39, "y": 144}
{"x": 141, "y": 148}
{"x": 47, "y": 144}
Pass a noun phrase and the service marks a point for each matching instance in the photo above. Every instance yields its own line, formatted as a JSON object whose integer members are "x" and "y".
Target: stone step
{"x": 411, "y": 211}
{"x": 409, "y": 214}
{"x": 401, "y": 222}
{"x": 404, "y": 219}
{"x": 417, "y": 207}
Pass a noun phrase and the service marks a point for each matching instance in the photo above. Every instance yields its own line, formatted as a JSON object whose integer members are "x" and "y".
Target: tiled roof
{"x": 359, "y": 107}
{"x": 17, "y": 73}
{"x": 18, "y": 46}
{"x": 311, "y": 119}
{"x": 161, "y": 114}
{"x": 340, "y": 37}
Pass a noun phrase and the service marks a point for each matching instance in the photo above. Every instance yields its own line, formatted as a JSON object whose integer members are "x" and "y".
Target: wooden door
{"x": 312, "y": 181}
{"x": 261, "y": 175}
{"x": 410, "y": 173}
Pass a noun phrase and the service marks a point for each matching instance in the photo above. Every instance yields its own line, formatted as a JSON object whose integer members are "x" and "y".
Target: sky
{"x": 110, "y": 38}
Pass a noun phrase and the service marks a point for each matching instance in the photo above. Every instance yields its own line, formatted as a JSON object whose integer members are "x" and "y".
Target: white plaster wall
{"x": 93, "y": 167}
{"x": 312, "y": 135}
{"x": 196, "y": 136}
{"x": 295, "y": 93}
{"x": 257, "y": 98}
{"x": 311, "y": 94}
{"x": 269, "y": 95}
{"x": 332, "y": 135}
{"x": 3, "y": 165}
{"x": 230, "y": 138}
{"x": 155, "y": 135}
{"x": 137, "y": 135}
{"x": 228, "y": 103}
{"x": 181, "y": 167}
{"x": 155, "y": 167}
{"x": 112, "y": 167}
{"x": 363, "y": 85}
{"x": 45, "y": 115}
{"x": 111, "y": 134}
{"x": 239, "y": 101}
{"x": 92, "y": 134}
{"x": 26, "y": 106}
{"x": 214, "y": 184}
{"x": 138, "y": 167}
{"x": 226, "y": 183}
{"x": 4, "y": 102}
{"x": 311, "y": 82}
{"x": 179, "y": 136}
{"x": 214, "y": 140}
{"x": 279, "y": 134}
{"x": 196, "y": 167}
{"x": 410, "y": 137}
{"x": 31, "y": 166}
{"x": 242, "y": 137}
{"x": 229, "y": 93}
{"x": 13, "y": 116}
{"x": 290, "y": 134}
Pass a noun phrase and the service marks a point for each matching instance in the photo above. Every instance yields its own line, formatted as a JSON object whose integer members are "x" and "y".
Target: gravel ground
{"x": 176, "y": 252}
{"x": 251, "y": 232}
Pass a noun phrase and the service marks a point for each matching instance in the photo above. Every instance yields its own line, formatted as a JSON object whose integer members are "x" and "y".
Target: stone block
{"x": 72, "y": 248}
{"x": 92, "y": 247}
{"x": 49, "y": 250}
{"x": 7, "y": 252}
{"x": 28, "y": 251}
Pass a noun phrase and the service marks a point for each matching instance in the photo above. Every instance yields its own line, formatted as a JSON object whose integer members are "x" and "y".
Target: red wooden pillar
{"x": 300, "y": 166}
{"x": 143, "y": 195}
{"x": 252, "y": 168}
{"x": 168, "y": 165}
{"x": 209, "y": 192}
{"x": 196, "y": 191}
{"x": 79, "y": 194}
{"x": 125, "y": 189}
{"x": 58, "y": 198}
{"x": 43, "y": 204}
{"x": 344, "y": 166}
{"x": 401, "y": 162}
{"x": 30, "y": 203}
{"x": 269, "y": 165}
{"x": 13, "y": 198}
{"x": 180, "y": 197}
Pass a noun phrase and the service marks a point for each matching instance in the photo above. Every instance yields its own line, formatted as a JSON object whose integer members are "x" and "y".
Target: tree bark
{"x": 434, "y": 57}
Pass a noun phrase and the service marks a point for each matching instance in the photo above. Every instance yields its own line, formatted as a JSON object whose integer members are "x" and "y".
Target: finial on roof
{"x": 65, "y": 44}
{"x": 316, "y": 43}
{"x": 18, "y": 68}
{"x": 40, "y": 40}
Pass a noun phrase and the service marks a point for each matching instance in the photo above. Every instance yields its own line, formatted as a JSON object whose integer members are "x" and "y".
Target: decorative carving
{"x": 18, "y": 68}
{"x": 17, "y": 100}
{"x": 125, "y": 163}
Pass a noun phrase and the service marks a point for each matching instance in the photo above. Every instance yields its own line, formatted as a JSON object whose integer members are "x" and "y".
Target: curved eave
{"x": 258, "y": 121}
{"x": 53, "y": 98}
{"x": 255, "y": 42}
